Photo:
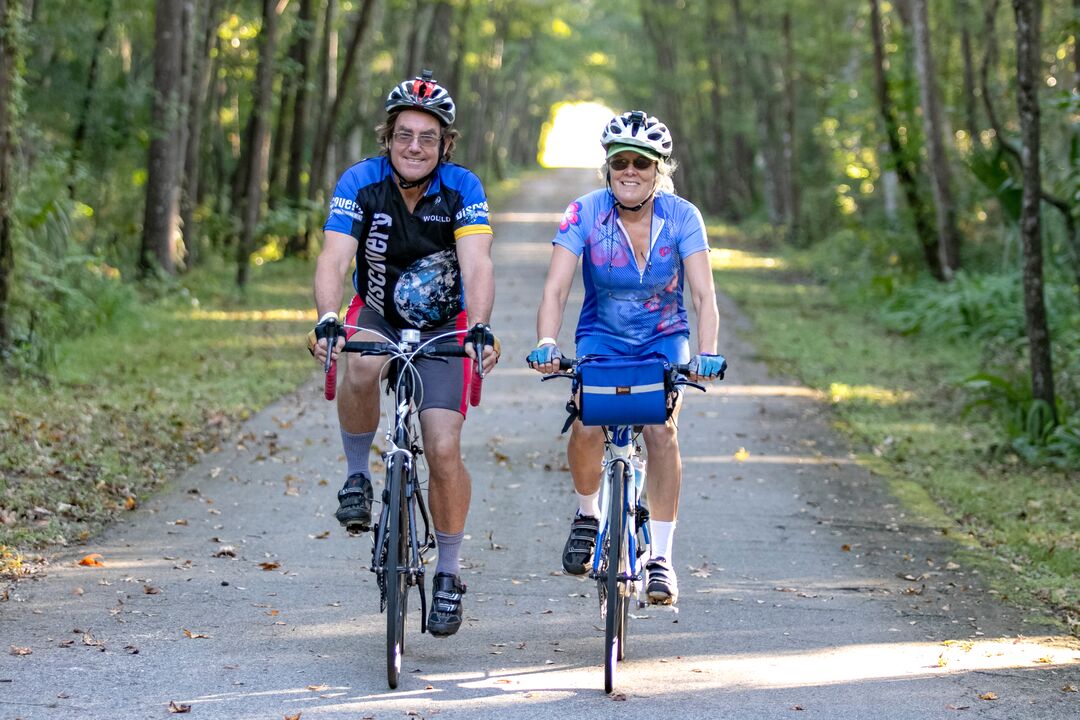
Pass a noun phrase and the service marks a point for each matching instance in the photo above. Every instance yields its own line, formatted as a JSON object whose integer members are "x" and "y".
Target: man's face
{"x": 414, "y": 145}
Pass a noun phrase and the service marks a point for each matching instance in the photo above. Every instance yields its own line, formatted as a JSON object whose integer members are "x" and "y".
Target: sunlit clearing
{"x": 730, "y": 259}
{"x": 842, "y": 392}
{"x": 572, "y": 137}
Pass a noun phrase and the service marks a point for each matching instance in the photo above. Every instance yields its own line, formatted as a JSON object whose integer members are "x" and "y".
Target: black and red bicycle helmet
{"x": 422, "y": 93}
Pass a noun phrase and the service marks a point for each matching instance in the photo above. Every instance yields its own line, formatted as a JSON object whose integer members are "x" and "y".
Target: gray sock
{"x": 357, "y": 450}
{"x": 449, "y": 552}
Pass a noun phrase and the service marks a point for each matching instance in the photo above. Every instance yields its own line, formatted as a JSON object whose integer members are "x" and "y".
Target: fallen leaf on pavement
{"x": 175, "y": 707}
{"x": 293, "y": 717}
{"x": 318, "y": 688}
{"x": 988, "y": 696}
{"x": 16, "y": 650}
{"x": 269, "y": 565}
{"x": 1069, "y": 688}
{"x": 190, "y": 634}
{"x": 741, "y": 455}
{"x": 92, "y": 560}
{"x": 957, "y": 707}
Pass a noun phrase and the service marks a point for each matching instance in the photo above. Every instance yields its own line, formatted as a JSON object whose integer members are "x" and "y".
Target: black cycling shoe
{"x": 354, "y": 504}
{"x": 577, "y": 554}
{"x": 445, "y": 616}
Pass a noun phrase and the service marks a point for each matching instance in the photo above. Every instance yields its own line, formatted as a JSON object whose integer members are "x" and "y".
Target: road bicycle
{"x": 621, "y": 395}
{"x": 397, "y": 554}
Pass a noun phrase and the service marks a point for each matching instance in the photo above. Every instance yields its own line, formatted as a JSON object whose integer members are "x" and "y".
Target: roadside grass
{"x": 129, "y": 405}
{"x": 898, "y": 399}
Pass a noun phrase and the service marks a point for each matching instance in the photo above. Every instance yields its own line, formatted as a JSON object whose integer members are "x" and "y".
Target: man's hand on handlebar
{"x": 707, "y": 366}
{"x": 328, "y": 327}
{"x": 480, "y": 335}
{"x": 545, "y": 357}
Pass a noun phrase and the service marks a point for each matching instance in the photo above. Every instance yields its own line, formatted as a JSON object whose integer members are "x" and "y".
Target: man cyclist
{"x": 638, "y": 241}
{"x": 417, "y": 227}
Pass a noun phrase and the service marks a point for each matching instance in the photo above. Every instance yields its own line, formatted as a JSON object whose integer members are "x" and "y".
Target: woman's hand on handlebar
{"x": 545, "y": 358}
{"x": 707, "y": 367}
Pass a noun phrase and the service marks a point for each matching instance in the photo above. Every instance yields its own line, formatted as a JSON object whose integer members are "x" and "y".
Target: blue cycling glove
{"x": 543, "y": 354}
{"x": 709, "y": 366}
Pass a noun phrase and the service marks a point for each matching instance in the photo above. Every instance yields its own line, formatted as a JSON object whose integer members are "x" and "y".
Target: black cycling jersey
{"x": 406, "y": 262}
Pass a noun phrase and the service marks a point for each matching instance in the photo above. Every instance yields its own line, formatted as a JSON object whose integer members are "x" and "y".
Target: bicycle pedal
{"x": 357, "y": 527}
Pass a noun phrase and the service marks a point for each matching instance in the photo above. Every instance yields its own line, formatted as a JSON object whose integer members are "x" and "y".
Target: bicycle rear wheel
{"x": 397, "y": 587}
{"x": 615, "y": 607}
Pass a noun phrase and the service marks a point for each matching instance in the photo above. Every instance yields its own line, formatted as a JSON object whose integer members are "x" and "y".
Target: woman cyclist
{"x": 639, "y": 241}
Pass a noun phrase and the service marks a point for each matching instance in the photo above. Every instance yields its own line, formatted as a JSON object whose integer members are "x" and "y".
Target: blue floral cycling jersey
{"x": 622, "y": 300}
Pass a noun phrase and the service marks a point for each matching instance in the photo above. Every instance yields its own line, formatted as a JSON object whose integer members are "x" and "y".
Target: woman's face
{"x": 630, "y": 183}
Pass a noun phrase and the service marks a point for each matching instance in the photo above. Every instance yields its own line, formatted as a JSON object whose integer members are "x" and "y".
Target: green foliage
{"x": 1024, "y": 514}
{"x": 128, "y": 404}
{"x": 62, "y": 291}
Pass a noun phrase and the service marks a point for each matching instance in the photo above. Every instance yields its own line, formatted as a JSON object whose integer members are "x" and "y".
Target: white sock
{"x": 589, "y": 504}
{"x": 663, "y": 534}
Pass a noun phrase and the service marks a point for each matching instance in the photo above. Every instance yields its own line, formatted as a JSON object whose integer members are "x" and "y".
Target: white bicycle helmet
{"x": 422, "y": 93}
{"x": 635, "y": 129}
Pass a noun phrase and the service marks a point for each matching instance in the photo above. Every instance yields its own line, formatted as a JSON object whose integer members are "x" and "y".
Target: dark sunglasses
{"x": 640, "y": 163}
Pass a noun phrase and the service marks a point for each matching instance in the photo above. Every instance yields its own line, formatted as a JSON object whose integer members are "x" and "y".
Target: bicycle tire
{"x": 397, "y": 588}
{"x": 615, "y": 550}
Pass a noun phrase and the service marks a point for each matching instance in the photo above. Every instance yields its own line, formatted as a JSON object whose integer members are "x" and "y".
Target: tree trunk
{"x": 9, "y": 37}
{"x": 1076, "y": 51}
{"x": 1072, "y": 229}
{"x": 161, "y": 216}
{"x": 761, "y": 99}
{"x": 416, "y": 57}
{"x": 945, "y": 211}
{"x": 200, "y": 84}
{"x": 329, "y": 121}
{"x": 1028, "y": 74}
{"x": 971, "y": 118}
{"x": 258, "y": 150}
{"x": 790, "y": 186}
{"x": 724, "y": 202}
{"x": 301, "y": 55}
{"x": 88, "y": 99}
{"x": 906, "y": 171}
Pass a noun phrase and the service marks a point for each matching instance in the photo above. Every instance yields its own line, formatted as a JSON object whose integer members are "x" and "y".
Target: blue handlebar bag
{"x": 624, "y": 391}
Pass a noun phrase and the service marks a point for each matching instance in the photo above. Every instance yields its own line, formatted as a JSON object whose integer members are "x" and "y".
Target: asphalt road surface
{"x": 805, "y": 590}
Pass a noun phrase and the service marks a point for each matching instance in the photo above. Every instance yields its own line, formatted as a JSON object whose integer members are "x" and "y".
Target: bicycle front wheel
{"x": 397, "y": 587}
{"x": 615, "y": 607}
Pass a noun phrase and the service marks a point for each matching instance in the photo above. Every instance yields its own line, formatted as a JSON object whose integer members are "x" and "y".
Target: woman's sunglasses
{"x": 640, "y": 163}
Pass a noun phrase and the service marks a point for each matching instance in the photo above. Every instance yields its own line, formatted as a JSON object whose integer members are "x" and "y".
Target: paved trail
{"x": 806, "y": 592}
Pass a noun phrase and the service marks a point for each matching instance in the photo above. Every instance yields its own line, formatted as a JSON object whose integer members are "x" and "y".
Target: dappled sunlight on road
{"x": 842, "y": 392}
{"x": 745, "y": 458}
{"x": 246, "y": 315}
{"x": 823, "y": 666}
{"x": 724, "y": 388}
{"x": 732, "y": 259}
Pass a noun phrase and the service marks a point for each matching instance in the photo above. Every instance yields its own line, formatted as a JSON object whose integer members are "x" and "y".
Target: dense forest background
{"x": 922, "y": 156}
